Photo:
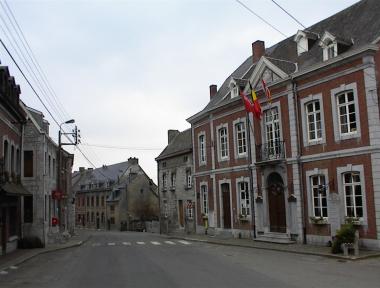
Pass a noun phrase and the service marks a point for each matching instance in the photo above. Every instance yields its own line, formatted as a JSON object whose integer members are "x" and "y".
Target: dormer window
{"x": 333, "y": 46}
{"x": 305, "y": 40}
{"x": 234, "y": 89}
{"x": 331, "y": 50}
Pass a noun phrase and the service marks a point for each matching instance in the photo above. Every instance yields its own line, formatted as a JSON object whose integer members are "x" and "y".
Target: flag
{"x": 266, "y": 91}
{"x": 247, "y": 104}
{"x": 256, "y": 107}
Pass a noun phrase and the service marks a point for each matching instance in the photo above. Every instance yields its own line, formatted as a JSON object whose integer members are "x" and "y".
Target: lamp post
{"x": 59, "y": 179}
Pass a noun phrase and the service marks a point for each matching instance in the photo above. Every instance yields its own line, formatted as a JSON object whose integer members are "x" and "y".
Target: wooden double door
{"x": 225, "y": 187}
{"x": 276, "y": 203}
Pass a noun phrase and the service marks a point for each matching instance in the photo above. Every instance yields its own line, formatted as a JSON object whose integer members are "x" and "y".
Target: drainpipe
{"x": 294, "y": 87}
{"x": 250, "y": 128}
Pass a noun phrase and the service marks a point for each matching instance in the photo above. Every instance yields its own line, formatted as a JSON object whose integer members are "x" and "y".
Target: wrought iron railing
{"x": 273, "y": 150}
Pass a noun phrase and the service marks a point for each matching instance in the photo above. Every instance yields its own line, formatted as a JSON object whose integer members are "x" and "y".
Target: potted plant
{"x": 243, "y": 217}
{"x": 318, "y": 220}
{"x": 356, "y": 221}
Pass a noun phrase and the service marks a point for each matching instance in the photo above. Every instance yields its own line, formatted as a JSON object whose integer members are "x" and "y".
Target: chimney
{"x": 258, "y": 50}
{"x": 133, "y": 161}
{"x": 82, "y": 169}
{"x": 172, "y": 134}
{"x": 213, "y": 90}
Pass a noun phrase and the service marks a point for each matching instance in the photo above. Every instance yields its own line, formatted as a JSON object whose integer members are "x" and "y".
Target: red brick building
{"x": 12, "y": 120}
{"x": 313, "y": 159}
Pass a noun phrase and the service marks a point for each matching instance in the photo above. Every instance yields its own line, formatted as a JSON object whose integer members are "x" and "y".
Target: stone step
{"x": 272, "y": 237}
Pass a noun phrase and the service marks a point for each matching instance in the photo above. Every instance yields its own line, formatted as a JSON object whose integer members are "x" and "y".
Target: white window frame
{"x": 236, "y": 123}
{"x": 189, "y": 210}
{"x": 336, "y": 115}
{"x": 246, "y": 202}
{"x": 305, "y": 130}
{"x": 310, "y": 195}
{"x": 340, "y": 172}
{"x": 226, "y": 155}
{"x": 173, "y": 180}
{"x": 204, "y": 198}
{"x": 314, "y": 114}
{"x": 264, "y": 126}
{"x": 317, "y": 188}
{"x": 352, "y": 185}
{"x": 202, "y": 148}
{"x": 189, "y": 181}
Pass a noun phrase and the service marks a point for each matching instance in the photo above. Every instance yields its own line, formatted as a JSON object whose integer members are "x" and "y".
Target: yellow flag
{"x": 254, "y": 96}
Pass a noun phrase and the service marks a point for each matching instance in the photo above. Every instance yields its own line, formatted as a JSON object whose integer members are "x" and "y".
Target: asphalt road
{"x": 125, "y": 259}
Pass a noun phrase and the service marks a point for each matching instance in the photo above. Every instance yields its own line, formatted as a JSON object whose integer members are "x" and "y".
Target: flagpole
{"x": 250, "y": 174}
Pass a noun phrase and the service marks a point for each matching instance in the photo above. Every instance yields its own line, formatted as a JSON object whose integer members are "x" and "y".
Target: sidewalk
{"x": 287, "y": 248}
{"x": 21, "y": 255}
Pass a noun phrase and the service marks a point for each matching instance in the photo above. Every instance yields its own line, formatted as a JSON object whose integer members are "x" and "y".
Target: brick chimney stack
{"x": 258, "y": 50}
{"x": 213, "y": 90}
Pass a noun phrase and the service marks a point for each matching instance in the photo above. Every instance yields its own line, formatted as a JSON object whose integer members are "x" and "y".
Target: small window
{"x": 185, "y": 158}
{"x": 188, "y": 178}
{"x": 173, "y": 180}
{"x": 313, "y": 117}
{"x": 245, "y": 204}
{"x": 353, "y": 194}
{"x": 164, "y": 164}
{"x": 189, "y": 209}
{"x": 202, "y": 149}
{"x": 223, "y": 143}
{"x": 346, "y": 112}
{"x": 28, "y": 163}
{"x": 318, "y": 187}
{"x": 204, "y": 203}
{"x": 241, "y": 143}
{"x": 164, "y": 180}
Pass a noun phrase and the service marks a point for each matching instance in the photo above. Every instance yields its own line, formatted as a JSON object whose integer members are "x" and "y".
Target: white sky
{"x": 127, "y": 71}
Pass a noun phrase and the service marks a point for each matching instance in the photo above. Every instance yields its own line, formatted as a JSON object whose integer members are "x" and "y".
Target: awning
{"x": 13, "y": 189}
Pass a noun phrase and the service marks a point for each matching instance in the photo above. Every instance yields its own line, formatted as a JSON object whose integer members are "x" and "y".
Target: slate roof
{"x": 182, "y": 143}
{"x": 104, "y": 174}
{"x": 358, "y": 24}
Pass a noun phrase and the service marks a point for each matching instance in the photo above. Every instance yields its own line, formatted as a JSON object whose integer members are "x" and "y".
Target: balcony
{"x": 273, "y": 151}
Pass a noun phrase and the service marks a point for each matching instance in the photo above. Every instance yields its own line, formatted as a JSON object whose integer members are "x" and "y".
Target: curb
{"x": 331, "y": 256}
{"x": 21, "y": 259}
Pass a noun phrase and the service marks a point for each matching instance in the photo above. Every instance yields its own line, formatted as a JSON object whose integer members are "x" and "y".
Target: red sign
{"x": 54, "y": 221}
{"x": 57, "y": 195}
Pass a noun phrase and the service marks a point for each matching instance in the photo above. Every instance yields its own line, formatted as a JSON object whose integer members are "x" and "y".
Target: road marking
{"x": 13, "y": 267}
{"x": 155, "y": 243}
{"x": 170, "y": 242}
{"x": 111, "y": 244}
{"x": 127, "y": 243}
{"x": 184, "y": 242}
{"x": 141, "y": 243}
{"x": 3, "y": 272}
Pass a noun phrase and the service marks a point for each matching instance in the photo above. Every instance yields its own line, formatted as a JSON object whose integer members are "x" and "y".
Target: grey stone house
{"x": 175, "y": 168}
{"x": 114, "y": 197}
{"x": 40, "y": 178}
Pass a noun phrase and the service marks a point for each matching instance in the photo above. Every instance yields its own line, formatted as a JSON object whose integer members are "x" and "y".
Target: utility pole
{"x": 75, "y": 134}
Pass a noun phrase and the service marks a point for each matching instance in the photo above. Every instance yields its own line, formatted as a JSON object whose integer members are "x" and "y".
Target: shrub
{"x": 30, "y": 243}
{"x": 346, "y": 234}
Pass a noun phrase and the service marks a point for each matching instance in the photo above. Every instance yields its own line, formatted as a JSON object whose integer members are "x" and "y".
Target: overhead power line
{"x": 121, "y": 147}
{"x": 42, "y": 102}
{"x": 261, "y": 18}
{"x": 294, "y": 18}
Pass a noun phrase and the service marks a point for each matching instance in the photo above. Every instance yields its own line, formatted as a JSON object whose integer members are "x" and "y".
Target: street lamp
{"x": 60, "y": 170}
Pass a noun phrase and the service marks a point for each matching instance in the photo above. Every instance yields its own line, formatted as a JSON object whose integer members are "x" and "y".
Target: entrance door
{"x": 276, "y": 199}
{"x": 180, "y": 208}
{"x": 226, "y": 206}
